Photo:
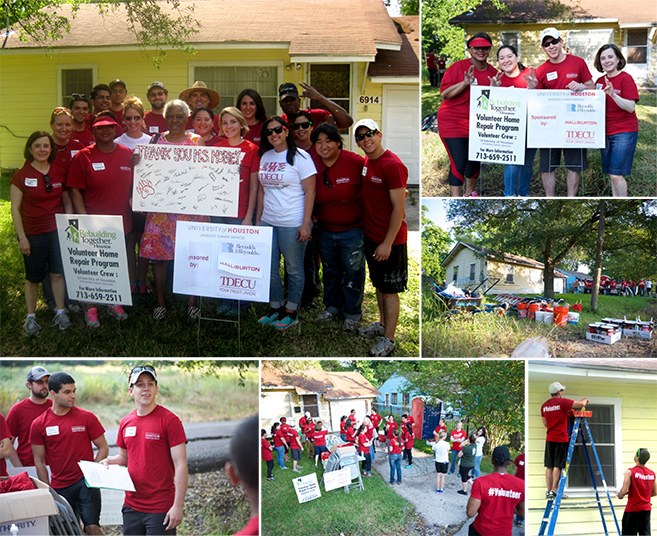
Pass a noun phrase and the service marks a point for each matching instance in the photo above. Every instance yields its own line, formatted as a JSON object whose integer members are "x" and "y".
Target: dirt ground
{"x": 623, "y": 348}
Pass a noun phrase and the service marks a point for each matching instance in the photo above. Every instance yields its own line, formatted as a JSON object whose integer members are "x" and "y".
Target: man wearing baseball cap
{"x": 23, "y": 413}
{"x": 554, "y": 413}
{"x": 561, "y": 71}
{"x": 384, "y": 197}
{"x": 494, "y": 498}
{"x": 154, "y": 120}
{"x": 153, "y": 445}
{"x": 639, "y": 485}
{"x": 290, "y": 102}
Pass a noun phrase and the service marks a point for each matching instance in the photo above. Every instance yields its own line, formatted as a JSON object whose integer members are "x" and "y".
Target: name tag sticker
{"x": 52, "y": 430}
{"x": 153, "y": 129}
{"x": 553, "y": 75}
{"x": 98, "y": 166}
{"x": 31, "y": 182}
{"x": 130, "y": 431}
{"x": 74, "y": 152}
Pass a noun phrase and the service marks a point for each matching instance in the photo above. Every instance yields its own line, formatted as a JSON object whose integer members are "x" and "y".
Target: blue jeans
{"x": 618, "y": 154}
{"x": 477, "y": 467}
{"x": 455, "y": 457}
{"x": 395, "y": 465}
{"x": 521, "y": 174}
{"x": 280, "y": 456}
{"x": 372, "y": 451}
{"x": 343, "y": 262}
{"x": 284, "y": 242}
{"x": 367, "y": 464}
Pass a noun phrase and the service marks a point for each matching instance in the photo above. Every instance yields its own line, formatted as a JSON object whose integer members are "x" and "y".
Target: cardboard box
{"x": 28, "y": 510}
{"x": 604, "y": 339}
{"x": 637, "y": 333}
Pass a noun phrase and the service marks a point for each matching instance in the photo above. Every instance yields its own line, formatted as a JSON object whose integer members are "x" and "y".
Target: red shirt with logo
{"x": 499, "y": 495}
{"x": 320, "y": 438}
{"x": 253, "y": 135}
{"x": 641, "y": 486}
{"x": 616, "y": 119}
{"x": 39, "y": 207}
{"x": 350, "y": 434}
{"x": 67, "y": 439}
{"x": 279, "y": 435}
{"x": 455, "y": 437}
{"x": 376, "y": 419}
{"x": 390, "y": 427}
{"x": 250, "y": 163}
{"x": 66, "y": 152}
{"x": 84, "y": 137}
{"x": 555, "y": 411}
{"x": 519, "y": 462}
{"x": 292, "y": 437}
{"x": 362, "y": 439}
{"x": 439, "y": 428}
{"x": 19, "y": 420}
{"x": 155, "y": 123}
{"x": 149, "y": 440}
{"x": 265, "y": 450}
{"x": 105, "y": 180}
{"x": 395, "y": 446}
{"x": 559, "y": 75}
{"x": 408, "y": 440}
{"x": 380, "y": 175}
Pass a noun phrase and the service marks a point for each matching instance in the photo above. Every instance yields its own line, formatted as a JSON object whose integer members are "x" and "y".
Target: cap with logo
{"x": 550, "y": 32}
{"x": 369, "y": 123}
{"x": 138, "y": 371}
{"x": 155, "y": 84}
{"x": 287, "y": 90}
{"x": 36, "y": 373}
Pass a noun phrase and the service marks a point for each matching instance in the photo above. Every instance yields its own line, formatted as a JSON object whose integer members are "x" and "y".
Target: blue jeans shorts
{"x": 618, "y": 154}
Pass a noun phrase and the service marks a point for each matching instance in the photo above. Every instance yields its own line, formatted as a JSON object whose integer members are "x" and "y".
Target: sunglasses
{"x": 133, "y": 118}
{"x": 278, "y": 130}
{"x": 327, "y": 181}
{"x": 79, "y": 96}
{"x": 297, "y": 126}
{"x": 368, "y": 134}
{"x": 550, "y": 43}
{"x": 142, "y": 368}
{"x": 46, "y": 179}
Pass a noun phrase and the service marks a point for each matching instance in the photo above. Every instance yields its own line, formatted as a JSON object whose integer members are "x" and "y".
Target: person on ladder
{"x": 639, "y": 485}
{"x": 554, "y": 413}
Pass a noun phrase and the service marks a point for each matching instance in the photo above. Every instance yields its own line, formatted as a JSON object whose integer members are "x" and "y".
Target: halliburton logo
{"x": 237, "y": 282}
{"x": 580, "y": 134}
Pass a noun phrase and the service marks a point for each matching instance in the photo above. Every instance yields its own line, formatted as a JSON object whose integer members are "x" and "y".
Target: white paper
{"x": 337, "y": 479}
{"x": 110, "y": 477}
{"x": 307, "y": 487}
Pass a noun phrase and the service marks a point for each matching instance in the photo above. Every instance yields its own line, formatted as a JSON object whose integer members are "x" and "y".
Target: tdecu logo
{"x": 73, "y": 231}
{"x": 580, "y": 134}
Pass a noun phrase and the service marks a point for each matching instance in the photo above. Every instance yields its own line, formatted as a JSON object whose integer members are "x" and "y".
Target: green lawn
{"x": 435, "y": 164}
{"x": 141, "y": 336}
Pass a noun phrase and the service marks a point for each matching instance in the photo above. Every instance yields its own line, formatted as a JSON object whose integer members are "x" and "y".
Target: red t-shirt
{"x": 376, "y": 419}
{"x": 343, "y": 424}
{"x": 390, "y": 427}
{"x": 439, "y": 428}
{"x": 555, "y": 411}
{"x": 149, "y": 440}
{"x": 83, "y": 137}
{"x": 559, "y": 75}
{"x": 292, "y": 436}
{"x": 339, "y": 207}
{"x": 252, "y": 528}
{"x": 310, "y": 433}
{"x": 350, "y": 433}
{"x": 454, "y": 114}
{"x": 519, "y": 81}
{"x": 250, "y": 164}
{"x": 362, "y": 439}
{"x": 39, "y": 207}
{"x": 395, "y": 446}
{"x": 499, "y": 495}
{"x": 4, "y": 434}
{"x": 641, "y": 486}
{"x": 265, "y": 450}
{"x": 616, "y": 119}
{"x": 155, "y": 123}
{"x": 320, "y": 438}
{"x": 19, "y": 419}
{"x": 380, "y": 176}
{"x": 105, "y": 180}
{"x": 66, "y": 152}
{"x": 370, "y": 432}
{"x": 67, "y": 439}
{"x": 253, "y": 135}
{"x": 308, "y": 427}
{"x": 519, "y": 462}
{"x": 279, "y": 435}
{"x": 455, "y": 437}
{"x": 431, "y": 61}
{"x": 408, "y": 440}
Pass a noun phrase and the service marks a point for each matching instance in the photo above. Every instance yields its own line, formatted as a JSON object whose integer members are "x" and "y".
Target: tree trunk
{"x": 598, "y": 256}
{"x": 548, "y": 277}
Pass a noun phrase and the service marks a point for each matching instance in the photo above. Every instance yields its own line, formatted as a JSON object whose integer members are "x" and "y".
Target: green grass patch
{"x": 435, "y": 163}
{"x": 139, "y": 335}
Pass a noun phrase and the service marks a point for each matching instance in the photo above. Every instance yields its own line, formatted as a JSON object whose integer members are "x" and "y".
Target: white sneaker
{"x": 325, "y": 316}
{"x": 62, "y": 321}
{"x": 375, "y": 329}
{"x": 31, "y": 327}
{"x": 350, "y": 325}
{"x": 383, "y": 347}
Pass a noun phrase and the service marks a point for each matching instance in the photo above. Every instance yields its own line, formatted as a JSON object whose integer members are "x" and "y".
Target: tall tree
{"x": 598, "y": 255}
{"x": 436, "y": 244}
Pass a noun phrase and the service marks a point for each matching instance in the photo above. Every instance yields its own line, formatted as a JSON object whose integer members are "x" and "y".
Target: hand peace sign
{"x": 468, "y": 76}
{"x": 495, "y": 81}
{"x": 531, "y": 79}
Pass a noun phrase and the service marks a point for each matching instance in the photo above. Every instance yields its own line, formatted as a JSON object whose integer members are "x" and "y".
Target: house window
{"x": 509, "y": 271}
{"x": 586, "y": 43}
{"x": 311, "y": 405}
{"x": 472, "y": 271}
{"x": 230, "y": 80}
{"x": 387, "y": 399}
{"x": 511, "y": 38}
{"x": 605, "y": 427}
{"x": 332, "y": 81}
{"x": 393, "y": 399}
{"x": 406, "y": 398}
{"x": 455, "y": 279}
{"x": 75, "y": 81}
{"x": 637, "y": 46}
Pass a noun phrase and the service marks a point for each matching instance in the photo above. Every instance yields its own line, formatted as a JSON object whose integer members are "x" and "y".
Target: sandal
{"x": 159, "y": 313}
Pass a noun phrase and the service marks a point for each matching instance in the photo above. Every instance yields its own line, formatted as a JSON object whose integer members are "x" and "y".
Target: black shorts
{"x": 442, "y": 467}
{"x": 389, "y": 276}
{"x": 84, "y": 501}
{"x": 636, "y": 523}
{"x": 472, "y": 531}
{"x": 555, "y": 454}
{"x": 576, "y": 159}
{"x": 296, "y": 454}
{"x": 142, "y": 523}
{"x": 138, "y": 223}
{"x": 465, "y": 473}
{"x": 44, "y": 255}
{"x": 460, "y": 168}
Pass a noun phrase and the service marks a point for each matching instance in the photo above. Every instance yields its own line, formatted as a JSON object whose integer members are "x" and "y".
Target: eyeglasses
{"x": 327, "y": 181}
{"x": 278, "y": 130}
{"x": 368, "y": 134}
{"x": 550, "y": 43}
{"x": 305, "y": 125}
{"x": 46, "y": 179}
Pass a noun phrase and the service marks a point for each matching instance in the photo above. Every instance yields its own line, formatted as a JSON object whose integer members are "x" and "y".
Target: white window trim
{"x": 473, "y": 273}
{"x": 618, "y": 443}
{"x": 510, "y": 268}
{"x": 386, "y": 399}
{"x": 75, "y": 67}
{"x": 319, "y": 406}
{"x": 648, "y": 47}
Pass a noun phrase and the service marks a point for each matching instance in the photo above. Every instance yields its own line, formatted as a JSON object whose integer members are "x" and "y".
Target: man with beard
{"x": 23, "y": 413}
{"x": 154, "y": 120}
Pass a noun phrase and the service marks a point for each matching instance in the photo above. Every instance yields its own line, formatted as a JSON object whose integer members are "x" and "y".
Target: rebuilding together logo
{"x": 82, "y": 236}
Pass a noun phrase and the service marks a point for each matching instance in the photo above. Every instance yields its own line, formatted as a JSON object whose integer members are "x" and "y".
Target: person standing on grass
{"x": 279, "y": 444}
{"x": 62, "y": 436}
{"x": 376, "y": 419}
{"x": 394, "y": 459}
{"x": 467, "y": 455}
{"x": 480, "y": 440}
{"x": 441, "y": 458}
{"x": 309, "y": 432}
{"x": 384, "y": 197}
{"x": 495, "y": 498}
{"x": 266, "y": 450}
{"x": 151, "y": 437}
{"x": 371, "y": 434}
{"x": 364, "y": 444}
{"x": 432, "y": 67}
{"x": 554, "y": 413}
{"x": 639, "y": 485}
{"x": 621, "y": 122}
{"x": 295, "y": 449}
{"x": 457, "y": 437}
{"x": 319, "y": 438}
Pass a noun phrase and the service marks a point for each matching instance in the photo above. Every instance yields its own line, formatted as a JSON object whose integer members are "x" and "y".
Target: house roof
{"x": 537, "y": 11}
{"x": 308, "y": 27}
{"x": 578, "y": 275}
{"x": 406, "y": 61}
{"x": 508, "y": 258}
{"x": 333, "y": 385}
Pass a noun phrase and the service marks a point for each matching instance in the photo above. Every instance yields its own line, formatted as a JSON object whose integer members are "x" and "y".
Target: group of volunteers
{"x": 622, "y": 287}
{"x": 561, "y": 70}
{"x": 295, "y": 177}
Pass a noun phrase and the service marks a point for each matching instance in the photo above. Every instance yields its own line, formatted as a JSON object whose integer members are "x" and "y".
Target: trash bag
{"x": 536, "y": 347}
